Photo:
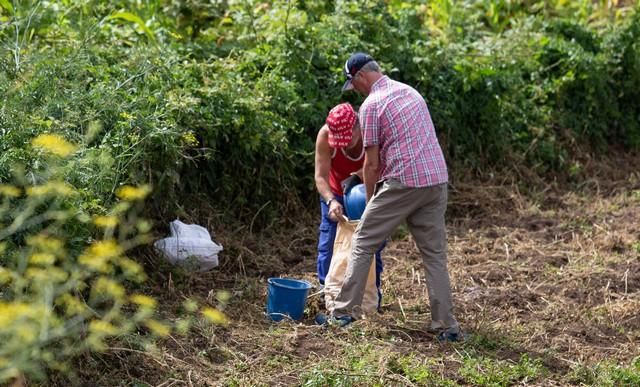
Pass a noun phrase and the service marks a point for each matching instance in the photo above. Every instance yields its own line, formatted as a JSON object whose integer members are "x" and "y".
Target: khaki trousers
{"x": 423, "y": 209}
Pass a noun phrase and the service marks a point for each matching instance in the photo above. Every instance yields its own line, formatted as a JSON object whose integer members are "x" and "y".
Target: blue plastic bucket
{"x": 286, "y": 297}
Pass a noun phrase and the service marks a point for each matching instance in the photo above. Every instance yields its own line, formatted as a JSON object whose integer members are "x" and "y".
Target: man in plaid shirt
{"x": 405, "y": 175}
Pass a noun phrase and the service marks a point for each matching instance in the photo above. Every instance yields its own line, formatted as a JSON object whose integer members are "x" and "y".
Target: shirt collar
{"x": 378, "y": 84}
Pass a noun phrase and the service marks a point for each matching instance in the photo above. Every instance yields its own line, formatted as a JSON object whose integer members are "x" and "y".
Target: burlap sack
{"x": 338, "y": 268}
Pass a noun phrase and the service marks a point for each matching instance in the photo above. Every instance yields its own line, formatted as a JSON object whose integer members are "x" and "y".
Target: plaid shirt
{"x": 395, "y": 117}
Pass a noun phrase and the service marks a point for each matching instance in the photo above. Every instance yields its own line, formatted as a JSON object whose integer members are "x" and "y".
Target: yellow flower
{"x": 26, "y": 333}
{"x": 12, "y": 312}
{"x": 10, "y": 191}
{"x": 36, "y": 275}
{"x": 142, "y": 300}
{"x": 215, "y": 316}
{"x": 106, "y": 248}
{"x": 105, "y": 221}
{"x": 128, "y": 192}
{"x": 54, "y": 144}
{"x": 189, "y": 138}
{"x": 74, "y": 306}
{"x": 127, "y": 116}
{"x": 158, "y": 328}
{"x": 5, "y": 276}
{"x": 52, "y": 274}
{"x": 105, "y": 286}
{"x": 102, "y": 328}
{"x": 52, "y": 187}
{"x": 46, "y": 245}
{"x": 98, "y": 255}
{"x": 42, "y": 259}
{"x": 132, "y": 269}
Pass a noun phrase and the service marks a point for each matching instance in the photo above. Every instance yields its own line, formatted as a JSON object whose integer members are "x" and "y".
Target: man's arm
{"x": 371, "y": 169}
{"x": 322, "y": 168}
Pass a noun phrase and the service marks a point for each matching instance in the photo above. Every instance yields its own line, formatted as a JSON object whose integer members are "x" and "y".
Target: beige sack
{"x": 338, "y": 268}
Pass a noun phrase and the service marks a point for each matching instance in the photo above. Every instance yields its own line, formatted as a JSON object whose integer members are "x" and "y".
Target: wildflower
{"x": 105, "y": 286}
{"x": 54, "y": 144}
{"x": 106, "y": 248}
{"x": 52, "y": 187}
{"x": 131, "y": 269}
{"x": 215, "y": 316}
{"x": 45, "y": 243}
{"x": 102, "y": 328}
{"x": 131, "y": 193}
{"x": 98, "y": 255}
{"x": 105, "y": 221}
{"x": 25, "y": 333}
{"x": 74, "y": 307}
{"x": 127, "y": 116}
{"x": 158, "y": 328}
{"x": 189, "y": 138}
{"x": 10, "y": 191}
{"x": 37, "y": 275}
{"x": 17, "y": 311}
{"x": 142, "y": 300}
{"x": 42, "y": 259}
{"x": 5, "y": 276}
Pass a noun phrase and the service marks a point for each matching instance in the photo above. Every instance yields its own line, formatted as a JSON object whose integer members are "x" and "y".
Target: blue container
{"x": 355, "y": 200}
{"x": 286, "y": 297}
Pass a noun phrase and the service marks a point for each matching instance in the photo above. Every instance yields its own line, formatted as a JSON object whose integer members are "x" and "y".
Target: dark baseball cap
{"x": 352, "y": 66}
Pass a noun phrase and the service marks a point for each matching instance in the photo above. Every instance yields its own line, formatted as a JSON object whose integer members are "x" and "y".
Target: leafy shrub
{"x": 64, "y": 270}
{"x": 62, "y": 289}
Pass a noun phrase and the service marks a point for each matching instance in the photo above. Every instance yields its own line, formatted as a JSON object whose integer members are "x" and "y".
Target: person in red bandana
{"x": 339, "y": 155}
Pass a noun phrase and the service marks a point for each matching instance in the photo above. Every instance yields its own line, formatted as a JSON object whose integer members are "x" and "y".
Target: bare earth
{"x": 547, "y": 285}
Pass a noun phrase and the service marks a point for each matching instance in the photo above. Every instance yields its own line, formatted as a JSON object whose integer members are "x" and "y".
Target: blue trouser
{"x": 326, "y": 239}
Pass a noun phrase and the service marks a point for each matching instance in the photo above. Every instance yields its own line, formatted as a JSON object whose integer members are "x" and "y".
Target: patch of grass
{"x": 417, "y": 371}
{"x": 320, "y": 378}
{"x": 607, "y": 374}
{"x": 278, "y": 361}
{"x": 400, "y": 233}
{"x": 483, "y": 371}
{"x": 487, "y": 342}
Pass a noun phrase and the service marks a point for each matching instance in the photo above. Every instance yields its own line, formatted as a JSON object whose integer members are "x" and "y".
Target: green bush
{"x": 224, "y": 100}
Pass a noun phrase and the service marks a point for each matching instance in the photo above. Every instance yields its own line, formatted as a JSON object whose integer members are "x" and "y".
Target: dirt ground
{"x": 546, "y": 283}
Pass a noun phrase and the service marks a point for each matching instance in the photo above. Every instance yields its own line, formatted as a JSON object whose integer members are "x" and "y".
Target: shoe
{"x": 342, "y": 321}
{"x": 321, "y": 319}
{"x": 450, "y": 337}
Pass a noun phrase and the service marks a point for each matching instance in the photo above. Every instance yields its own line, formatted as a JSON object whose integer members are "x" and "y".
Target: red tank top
{"x": 342, "y": 166}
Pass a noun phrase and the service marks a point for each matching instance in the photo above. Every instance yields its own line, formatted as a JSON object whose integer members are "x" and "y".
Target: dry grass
{"x": 547, "y": 283}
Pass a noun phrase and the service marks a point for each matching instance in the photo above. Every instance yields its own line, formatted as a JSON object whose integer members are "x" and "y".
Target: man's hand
{"x": 335, "y": 211}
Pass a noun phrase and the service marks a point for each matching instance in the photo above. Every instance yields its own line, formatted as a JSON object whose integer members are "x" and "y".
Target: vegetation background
{"x": 214, "y": 105}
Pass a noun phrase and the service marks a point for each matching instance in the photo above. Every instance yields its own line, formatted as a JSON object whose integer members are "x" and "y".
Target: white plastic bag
{"x": 189, "y": 245}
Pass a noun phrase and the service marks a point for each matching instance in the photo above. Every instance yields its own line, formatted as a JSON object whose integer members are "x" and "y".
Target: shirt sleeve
{"x": 370, "y": 124}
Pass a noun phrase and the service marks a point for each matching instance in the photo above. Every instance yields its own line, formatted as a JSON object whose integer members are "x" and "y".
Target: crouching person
{"x": 339, "y": 155}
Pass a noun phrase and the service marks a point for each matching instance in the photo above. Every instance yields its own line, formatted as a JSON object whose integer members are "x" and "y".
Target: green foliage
{"x": 416, "y": 371}
{"x": 318, "y": 378}
{"x": 225, "y": 98}
{"x": 481, "y": 371}
{"x": 62, "y": 268}
{"x": 607, "y": 374}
